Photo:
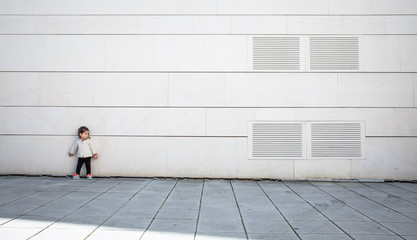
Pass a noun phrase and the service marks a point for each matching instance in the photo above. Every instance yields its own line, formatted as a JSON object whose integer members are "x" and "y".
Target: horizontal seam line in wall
{"x": 214, "y": 72}
{"x": 144, "y": 136}
{"x": 201, "y": 107}
{"x": 164, "y": 136}
{"x": 220, "y": 15}
{"x": 206, "y": 34}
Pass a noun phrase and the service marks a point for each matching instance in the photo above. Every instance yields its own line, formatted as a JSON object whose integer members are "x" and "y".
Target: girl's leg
{"x": 88, "y": 165}
{"x": 79, "y": 165}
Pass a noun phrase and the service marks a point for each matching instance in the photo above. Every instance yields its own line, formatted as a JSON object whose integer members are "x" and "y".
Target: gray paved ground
{"x": 61, "y": 208}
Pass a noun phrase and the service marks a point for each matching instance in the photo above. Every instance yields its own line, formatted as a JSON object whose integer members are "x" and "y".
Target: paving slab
{"x": 275, "y": 236}
{"x": 196, "y": 209}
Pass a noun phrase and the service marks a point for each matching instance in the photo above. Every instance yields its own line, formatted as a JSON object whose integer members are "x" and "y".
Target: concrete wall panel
{"x": 3, "y": 119}
{"x": 350, "y": 7}
{"x": 281, "y": 90}
{"x": 401, "y": 24}
{"x": 176, "y": 53}
{"x": 380, "y": 53}
{"x": 197, "y": 89}
{"x": 122, "y": 7}
{"x": 61, "y": 7}
{"x": 389, "y": 121}
{"x": 76, "y": 52}
{"x": 111, "y": 24}
{"x": 212, "y": 25}
{"x": 273, "y": 7}
{"x": 364, "y": 24}
{"x": 27, "y": 53}
{"x": 330, "y": 169}
{"x": 16, "y": 7}
{"x": 156, "y": 122}
{"x": 130, "y": 53}
{"x": 131, "y": 156}
{"x": 394, "y": 7}
{"x": 111, "y": 121}
{"x": 66, "y": 89}
{"x": 375, "y": 90}
{"x": 229, "y": 121}
{"x": 130, "y": 89}
{"x": 54, "y": 120}
{"x": 225, "y": 53}
{"x": 18, "y": 88}
{"x": 415, "y": 90}
{"x": 258, "y": 25}
{"x": 166, "y": 25}
{"x": 15, "y": 154}
{"x": 388, "y": 158}
{"x": 49, "y": 155}
{"x": 201, "y": 157}
{"x": 323, "y": 114}
{"x": 408, "y": 53}
{"x": 314, "y": 24}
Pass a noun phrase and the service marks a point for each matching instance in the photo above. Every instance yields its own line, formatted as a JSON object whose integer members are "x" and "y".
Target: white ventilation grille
{"x": 306, "y": 140}
{"x": 276, "y": 53}
{"x": 334, "y": 53}
{"x": 276, "y": 140}
{"x": 336, "y": 140}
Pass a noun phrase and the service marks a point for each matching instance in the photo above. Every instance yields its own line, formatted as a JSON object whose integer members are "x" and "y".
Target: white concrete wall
{"x": 167, "y": 87}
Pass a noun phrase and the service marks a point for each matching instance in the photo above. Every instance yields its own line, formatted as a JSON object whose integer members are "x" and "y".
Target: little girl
{"x": 85, "y": 150}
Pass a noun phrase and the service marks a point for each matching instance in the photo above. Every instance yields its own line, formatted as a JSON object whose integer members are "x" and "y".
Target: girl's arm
{"x": 73, "y": 149}
{"x": 93, "y": 150}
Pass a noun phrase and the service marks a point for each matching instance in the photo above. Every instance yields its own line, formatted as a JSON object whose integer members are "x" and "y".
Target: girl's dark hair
{"x": 82, "y": 129}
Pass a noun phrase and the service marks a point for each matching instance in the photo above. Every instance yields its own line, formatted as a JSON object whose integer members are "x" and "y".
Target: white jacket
{"x": 83, "y": 148}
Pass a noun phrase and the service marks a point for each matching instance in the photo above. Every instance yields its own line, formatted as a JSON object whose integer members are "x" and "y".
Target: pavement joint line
{"x": 373, "y": 220}
{"x": 118, "y": 208}
{"x": 392, "y": 194}
{"x": 238, "y": 208}
{"x": 75, "y": 209}
{"x": 379, "y": 203}
{"x": 156, "y": 214}
{"x": 286, "y": 220}
{"x": 26, "y": 196}
{"x": 44, "y": 203}
{"x": 392, "y": 184}
{"x": 318, "y": 210}
{"x": 199, "y": 209}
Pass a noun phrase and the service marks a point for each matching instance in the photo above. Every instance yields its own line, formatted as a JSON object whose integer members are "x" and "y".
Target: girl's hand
{"x": 69, "y": 154}
{"x": 95, "y": 156}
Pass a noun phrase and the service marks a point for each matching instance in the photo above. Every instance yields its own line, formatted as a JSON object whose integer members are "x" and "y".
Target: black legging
{"x": 87, "y": 162}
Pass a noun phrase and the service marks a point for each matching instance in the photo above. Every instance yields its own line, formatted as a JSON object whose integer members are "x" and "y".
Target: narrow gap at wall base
{"x": 240, "y": 179}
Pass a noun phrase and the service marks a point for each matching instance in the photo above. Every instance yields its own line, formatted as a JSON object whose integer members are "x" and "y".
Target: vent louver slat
{"x": 334, "y": 53}
{"x": 306, "y": 140}
{"x": 342, "y": 140}
{"x": 276, "y": 53}
{"x": 277, "y": 140}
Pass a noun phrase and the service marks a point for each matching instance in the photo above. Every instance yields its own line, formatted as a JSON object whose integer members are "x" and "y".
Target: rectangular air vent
{"x": 276, "y": 53}
{"x": 334, "y": 53}
{"x": 277, "y": 140}
{"x": 336, "y": 140}
{"x": 306, "y": 140}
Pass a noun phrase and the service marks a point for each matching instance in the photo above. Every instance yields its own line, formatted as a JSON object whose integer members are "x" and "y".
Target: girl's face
{"x": 84, "y": 135}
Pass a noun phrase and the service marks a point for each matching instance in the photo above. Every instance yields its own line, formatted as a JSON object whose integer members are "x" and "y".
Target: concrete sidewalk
{"x": 124, "y": 208}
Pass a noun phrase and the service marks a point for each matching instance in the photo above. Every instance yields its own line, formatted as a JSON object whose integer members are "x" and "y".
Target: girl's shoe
{"x": 89, "y": 176}
{"x": 75, "y": 176}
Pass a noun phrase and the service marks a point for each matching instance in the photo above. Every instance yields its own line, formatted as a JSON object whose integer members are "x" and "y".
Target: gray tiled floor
{"x": 126, "y": 208}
